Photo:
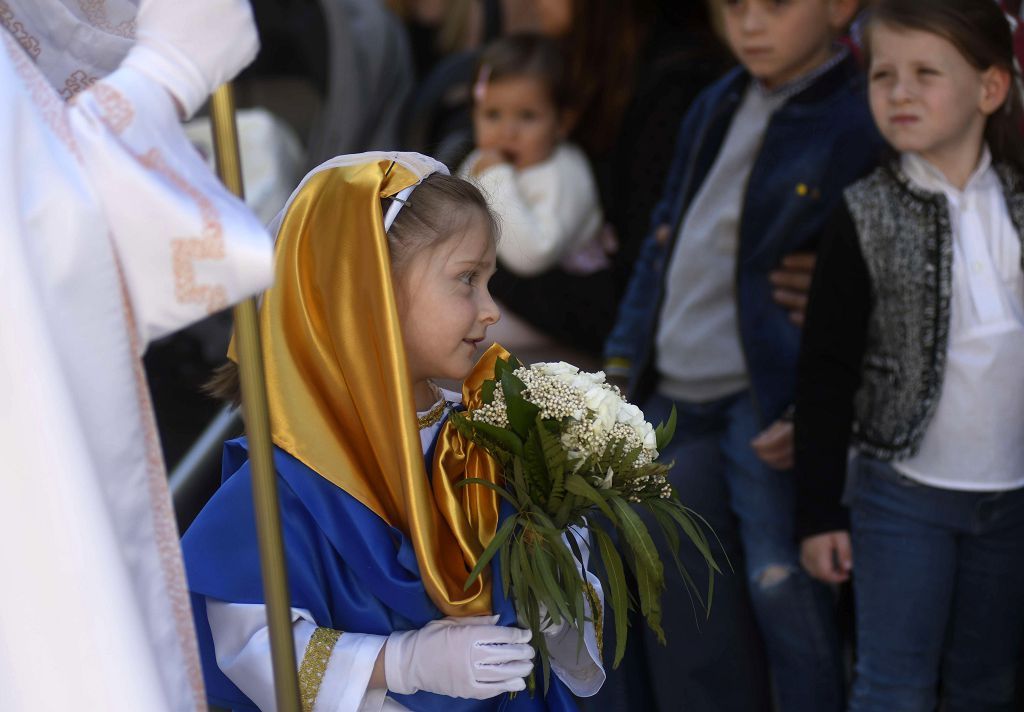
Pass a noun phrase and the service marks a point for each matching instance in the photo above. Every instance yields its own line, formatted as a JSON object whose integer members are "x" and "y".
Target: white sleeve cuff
{"x": 242, "y": 644}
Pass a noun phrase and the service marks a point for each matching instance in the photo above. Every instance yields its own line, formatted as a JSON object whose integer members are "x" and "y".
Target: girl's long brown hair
{"x": 980, "y": 31}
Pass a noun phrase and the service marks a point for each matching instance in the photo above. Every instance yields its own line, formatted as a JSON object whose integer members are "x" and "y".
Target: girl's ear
{"x": 995, "y": 87}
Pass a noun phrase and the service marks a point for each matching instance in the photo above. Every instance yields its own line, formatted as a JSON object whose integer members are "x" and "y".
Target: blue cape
{"x": 346, "y": 566}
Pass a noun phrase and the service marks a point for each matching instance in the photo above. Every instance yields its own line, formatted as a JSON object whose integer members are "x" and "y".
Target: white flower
{"x": 558, "y": 369}
{"x": 631, "y": 416}
{"x": 606, "y": 483}
{"x": 651, "y": 440}
{"x": 604, "y": 404}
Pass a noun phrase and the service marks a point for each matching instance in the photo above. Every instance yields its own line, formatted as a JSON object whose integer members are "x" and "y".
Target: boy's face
{"x": 779, "y": 40}
{"x": 516, "y": 117}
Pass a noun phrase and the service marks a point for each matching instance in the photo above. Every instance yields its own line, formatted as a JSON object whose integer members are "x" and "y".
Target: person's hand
{"x": 792, "y": 284}
{"x": 774, "y": 445}
{"x": 662, "y": 233}
{"x": 488, "y": 157}
{"x": 828, "y": 557}
{"x": 459, "y": 657}
{"x": 190, "y": 47}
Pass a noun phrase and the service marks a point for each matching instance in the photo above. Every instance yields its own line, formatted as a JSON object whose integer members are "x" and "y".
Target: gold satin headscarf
{"x": 340, "y": 398}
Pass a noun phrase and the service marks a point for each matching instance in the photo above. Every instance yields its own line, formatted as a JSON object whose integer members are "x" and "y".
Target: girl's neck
{"x": 957, "y": 162}
{"x": 425, "y": 394}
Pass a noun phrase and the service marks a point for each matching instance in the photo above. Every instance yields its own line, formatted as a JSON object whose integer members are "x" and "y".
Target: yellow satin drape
{"x": 339, "y": 394}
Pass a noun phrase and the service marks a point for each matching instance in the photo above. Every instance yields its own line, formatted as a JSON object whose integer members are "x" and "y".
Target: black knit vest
{"x": 907, "y": 243}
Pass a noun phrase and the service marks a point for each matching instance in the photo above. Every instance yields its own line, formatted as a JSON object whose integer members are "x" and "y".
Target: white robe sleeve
{"x": 242, "y": 644}
{"x": 546, "y": 211}
{"x": 186, "y": 246}
{"x": 580, "y": 668}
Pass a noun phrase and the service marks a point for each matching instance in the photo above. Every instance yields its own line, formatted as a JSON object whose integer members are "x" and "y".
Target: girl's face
{"x": 516, "y": 117}
{"x": 928, "y": 99}
{"x": 444, "y": 305}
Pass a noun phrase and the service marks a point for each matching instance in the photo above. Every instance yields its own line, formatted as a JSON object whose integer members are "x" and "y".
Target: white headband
{"x": 397, "y": 202}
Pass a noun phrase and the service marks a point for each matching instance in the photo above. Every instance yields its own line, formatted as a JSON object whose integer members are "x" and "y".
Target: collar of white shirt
{"x": 927, "y": 177}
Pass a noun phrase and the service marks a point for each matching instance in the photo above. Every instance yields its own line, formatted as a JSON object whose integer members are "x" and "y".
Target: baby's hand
{"x": 488, "y": 157}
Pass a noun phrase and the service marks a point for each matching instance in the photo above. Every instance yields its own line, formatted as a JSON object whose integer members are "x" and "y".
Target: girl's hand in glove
{"x": 459, "y": 657}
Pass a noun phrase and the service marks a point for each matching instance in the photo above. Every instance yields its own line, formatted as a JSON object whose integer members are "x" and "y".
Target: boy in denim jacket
{"x": 760, "y": 163}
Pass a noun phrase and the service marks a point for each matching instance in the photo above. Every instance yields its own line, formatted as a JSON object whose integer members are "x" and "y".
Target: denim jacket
{"x": 818, "y": 142}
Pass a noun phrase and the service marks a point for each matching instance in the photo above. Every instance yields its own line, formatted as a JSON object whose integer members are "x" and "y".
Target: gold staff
{"x": 257, "y": 427}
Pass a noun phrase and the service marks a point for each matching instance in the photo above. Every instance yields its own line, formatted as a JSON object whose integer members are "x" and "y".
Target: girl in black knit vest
{"x": 912, "y": 350}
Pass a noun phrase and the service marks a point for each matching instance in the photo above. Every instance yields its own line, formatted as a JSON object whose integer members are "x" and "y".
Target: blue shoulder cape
{"x": 349, "y": 568}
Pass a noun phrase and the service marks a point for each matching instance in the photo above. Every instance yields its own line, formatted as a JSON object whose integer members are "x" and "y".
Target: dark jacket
{"x": 817, "y": 143}
{"x": 877, "y": 333}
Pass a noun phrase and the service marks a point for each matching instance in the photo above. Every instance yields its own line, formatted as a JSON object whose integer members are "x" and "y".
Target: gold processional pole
{"x": 257, "y": 427}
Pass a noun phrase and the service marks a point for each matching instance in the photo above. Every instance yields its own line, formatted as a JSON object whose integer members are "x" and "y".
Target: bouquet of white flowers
{"x": 571, "y": 448}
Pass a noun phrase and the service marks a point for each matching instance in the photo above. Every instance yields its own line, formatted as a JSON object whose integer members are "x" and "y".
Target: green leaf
{"x": 499, "y": 442}
{"x": 501, "y": 367}
{"x": 619, "y": 597}
{"x": 555, "y": 459}
{"x": 521, "y": 412}
{"x": 555, "y": 600}
{"x": 636, "y": 535}
{"x": 535, "y": 467}
{"x": 671, "y": 535}
{"x": 649, "y": 571}
{"x": 499, "y": 538}
{"x": 689, "y": 527}
{"x": 579, "y": 486}
{"x": 487, "y": 391}
{"x": 490, "y": 485}
{"x": 664, "y": 432}
{"x": 650, "y": 586}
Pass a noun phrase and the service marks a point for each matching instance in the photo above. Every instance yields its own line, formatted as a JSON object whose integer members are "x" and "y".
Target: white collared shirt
{"x": 975, "y": 440}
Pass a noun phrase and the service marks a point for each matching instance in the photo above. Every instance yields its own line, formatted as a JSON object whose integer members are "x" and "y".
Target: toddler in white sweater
{"x": 539, "y": 184}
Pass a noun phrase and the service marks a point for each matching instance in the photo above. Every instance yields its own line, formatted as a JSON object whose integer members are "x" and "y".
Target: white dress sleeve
{"x": 242, "y": 644}
{"x": 580, "y": 668}
{"x": 546, "y": 210}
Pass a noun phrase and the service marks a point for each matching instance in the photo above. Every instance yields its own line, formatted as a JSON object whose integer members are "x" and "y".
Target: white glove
{"x": 191, "y": 47}
{"x": 459, "y": 657}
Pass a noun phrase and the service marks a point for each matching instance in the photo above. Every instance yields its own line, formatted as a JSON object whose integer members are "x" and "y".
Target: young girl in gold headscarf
{"x": 382, "y": 263}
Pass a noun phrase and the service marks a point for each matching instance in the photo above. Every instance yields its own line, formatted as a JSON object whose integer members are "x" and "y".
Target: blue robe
{"x": 346, "y": 566}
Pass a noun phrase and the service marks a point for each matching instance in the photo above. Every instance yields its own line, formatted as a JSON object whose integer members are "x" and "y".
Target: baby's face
{"x": 516, "y": 117}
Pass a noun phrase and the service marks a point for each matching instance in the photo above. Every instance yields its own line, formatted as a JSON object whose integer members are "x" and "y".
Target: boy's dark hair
{"x": 525, "y": 55}
{"x": 981, "y": 32}
{"x": 440, "y": 207}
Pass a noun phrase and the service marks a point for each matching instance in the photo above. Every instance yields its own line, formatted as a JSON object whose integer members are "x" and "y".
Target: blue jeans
{"x": 939, "y": 588}
{"x": 716, "y": 664}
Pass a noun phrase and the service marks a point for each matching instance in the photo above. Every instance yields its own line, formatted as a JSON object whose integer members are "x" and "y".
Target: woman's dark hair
{"x": 526, "y": 55}
{"x": 440, "y": 207}
{"x": 981, "y": 33}
{"x": 602, "y": 51}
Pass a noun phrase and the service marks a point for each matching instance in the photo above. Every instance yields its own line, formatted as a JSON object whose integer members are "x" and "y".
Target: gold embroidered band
{"x": 314, "y": 665}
